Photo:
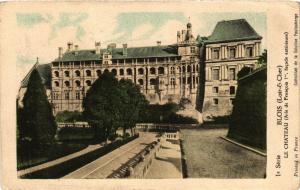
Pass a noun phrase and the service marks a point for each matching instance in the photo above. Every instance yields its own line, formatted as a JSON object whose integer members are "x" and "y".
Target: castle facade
{"x": 201, "y": 69}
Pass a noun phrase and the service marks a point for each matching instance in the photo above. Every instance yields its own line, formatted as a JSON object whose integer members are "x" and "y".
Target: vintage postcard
{"x": 150, "y": 95}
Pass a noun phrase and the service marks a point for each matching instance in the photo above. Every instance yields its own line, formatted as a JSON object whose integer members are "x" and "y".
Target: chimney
{"x": 76, "y": 49}
{"x": 60, "y": 52}
{"x": 125, "y": 50}
{"x": 70, "y": 46}
{"x": 178, "y": 36}
{"x": 158, "y": 43}
{"x": 97, "y": 47}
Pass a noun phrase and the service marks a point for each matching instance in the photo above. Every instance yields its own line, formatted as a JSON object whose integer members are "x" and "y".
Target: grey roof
{"x": 117, "y": 53}
{"x": 44, "y": 71}
{"x": 232, "y": 30}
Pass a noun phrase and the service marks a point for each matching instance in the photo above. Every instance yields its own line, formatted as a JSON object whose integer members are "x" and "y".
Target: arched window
{"x": 67, "y": 74}
{"x": 114, "y": 71}
{"x": 88, "y": 83}
{"x": 56, "y": 73}
{"x": 183, "y": 69}
{"x": 141, "y": 71}
{"x": 88, "y": 73}
{"x": 98, "y": 73}
{"x": 152, "y": 81}
{"x": 188, "y": 68}
{"x": 121, "y": 72}
{"x": 56, "y": 83}
{"x": 179, "y": 69}
{"x": 77, "y": 73}
{"x": 106, "y": 70}
{"x": 67, "y": 83}
{"x": 77, "y": 83}
{"x": 161, "y": 70}
{"x": 141, "y": 82}
{"x": 129, "y": 72}
{"x": 152, "y": 71}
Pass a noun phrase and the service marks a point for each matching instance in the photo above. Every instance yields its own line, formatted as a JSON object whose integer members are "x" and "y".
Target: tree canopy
{"x": 35, "y": 120}
{"x": 263, "y": 57}
{"x": 111, "y": 104}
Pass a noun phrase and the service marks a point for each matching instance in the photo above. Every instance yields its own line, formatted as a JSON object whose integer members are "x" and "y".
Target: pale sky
{"x": 40, "y": 34}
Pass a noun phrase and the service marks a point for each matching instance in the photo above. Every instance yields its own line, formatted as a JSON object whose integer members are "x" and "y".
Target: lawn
{"x": 208, "y": 156}
{"x": 28, "y": 157}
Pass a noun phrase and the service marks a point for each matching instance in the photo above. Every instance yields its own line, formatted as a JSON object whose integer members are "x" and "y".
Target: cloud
{"x": 31, "y": 19}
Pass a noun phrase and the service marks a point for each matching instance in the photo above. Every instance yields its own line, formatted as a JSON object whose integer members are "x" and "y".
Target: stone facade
{"x": 202, "y": 69}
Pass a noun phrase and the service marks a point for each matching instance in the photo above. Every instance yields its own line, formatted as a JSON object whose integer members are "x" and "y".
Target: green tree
{"x": 101, "y": 106}
{"x": 132, "y": 105}
{"x": 36, "y": 122}
{"x": 243, "y": 72}
{"x": 263, "y": 57}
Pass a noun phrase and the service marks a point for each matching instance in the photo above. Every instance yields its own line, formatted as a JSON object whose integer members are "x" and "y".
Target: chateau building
{"x": 202, "y": 69}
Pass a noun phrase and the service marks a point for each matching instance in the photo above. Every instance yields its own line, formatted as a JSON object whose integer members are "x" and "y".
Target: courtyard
{"x": 209, "y": 156}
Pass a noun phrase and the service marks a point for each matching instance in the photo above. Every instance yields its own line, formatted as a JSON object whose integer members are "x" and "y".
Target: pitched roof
{"x": 233, "y": 30}
{"x": 117, "y": 53}
{"x": 45, "y": 73}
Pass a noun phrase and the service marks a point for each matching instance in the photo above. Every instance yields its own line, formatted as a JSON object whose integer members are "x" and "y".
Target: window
{"x": 161, "y": 70}
{"x": 77, "y": 73}
{"x": 56, "y": 83}
{"x": 193, "y": 49}
{"x": 129, "y": 72}
{"x": 188, "y": 68}
{"x": 141, "y": 82}
{"x": 77, "y": 95}
{"x": 98, "y": 73}
{"x": 215, "y": 101}
{"x": 172, "y": 70}
{"x": 189, "y": 80}
{"x": 88, "y": 73}
{"x": 106, "y": 56}
{"x": 232, "y": 53}
{"x": 77, "y": 83}
{"x": 172, "y": 81}
{"x": 152, "y": 71}
{"x": 114, "y": 71}
{"x": 55, "y": 96}
{"x": 105, "y": 62}
{"x": 216, "y": 53}
{"x": 232, "y": 74}
{"x": 67, "y": 95}
{"x": 197, "y": 68}
{"x": 249, "y": 52}
{"x": 141, "y": 71}
{"x": 215, "y": 74}
{"x": 152, "y": 81}
{"x": 88, "y": 83}
{"x": 56, "y": 73}
{"x": 183, "y": 69}
{"x": 215, "y": 89}
{"x": 67, "y": 74}
{"x": 121, "y": 71}
{"x": 67, "y": 83}
{"x": 231, "y": 90}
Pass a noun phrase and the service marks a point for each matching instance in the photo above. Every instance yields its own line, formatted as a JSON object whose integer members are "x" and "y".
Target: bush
{"x": 75, "y": 133}
{"x": 69, "y": 116}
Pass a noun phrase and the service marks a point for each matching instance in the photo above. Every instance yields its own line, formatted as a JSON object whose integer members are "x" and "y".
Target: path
{"x": 105, "y": 165}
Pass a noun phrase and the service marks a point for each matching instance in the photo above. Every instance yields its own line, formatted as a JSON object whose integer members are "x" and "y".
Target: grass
{"x": 208, "y": 156}
{"x": 29, "y": 157}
